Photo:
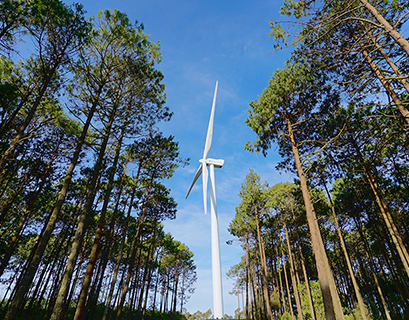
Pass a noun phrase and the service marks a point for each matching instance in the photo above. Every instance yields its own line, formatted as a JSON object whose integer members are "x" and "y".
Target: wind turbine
{"x": 212, "y": 163}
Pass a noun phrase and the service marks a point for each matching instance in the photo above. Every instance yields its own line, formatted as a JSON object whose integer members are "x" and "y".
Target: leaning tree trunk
{"x": 132, "y": 261}
{"x": 401, "y": 78}
{"x": 344, "y": 249}
{"x": 83, "y": 222}
{"x": 39, "y": 251}
{"x": 386, "y": 26}
{"x": 119, "y": 258}
{"x": 95, "y": 248}
{"x": 332, "y": 303}
{"x": 388, "y": 87}
{"x": 384, "y": 210}
{"x": 304, "y": 270}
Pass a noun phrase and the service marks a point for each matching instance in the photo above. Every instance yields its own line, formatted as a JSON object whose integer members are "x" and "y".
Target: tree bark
{"x": 98, "y": 235}
{"x": 30, "y": 273}
{"x": 119, "y": 258}
{"x": 389, "y": 89}
{"x": 293, "y": 280}
{"x": 83, "y": 223}
{"x": 332, "y": 303}
{"x": 290, "y": 304}
{"x": 386, "y": 25}
{"x": 344, "y": 249}
{"x": 384, "y": 211}
{"x": 264, "y": 267}
{"x": 304, "y": 270}
{"x": 247, "y": 279}
{"x": 132, "y": 261}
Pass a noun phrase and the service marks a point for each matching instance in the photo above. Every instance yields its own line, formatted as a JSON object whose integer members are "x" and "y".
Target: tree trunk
{"x": 254, "y": 309}
{"x": 332, "y": 303}
{"x": 388, "y": 87}
{"x": 264, "y": 267}
{"x": 147, "y": 263}
{"x": 304, "y": 270}
{"x": 98, "y": 235}
{"x": 120, "y": 254}
{"x": 293, "y": 280}
{"x": 386, "y": 25}
{"x": 148, "y": 280}
{"x": 247, "y": 278}
{"x": 344, "y": 249}
{"x": 281, "y": 287}
{"x": 83, "y": 223}
{"x": 290, "y": 304}
{"x": 30, "y": 273}
{"x": 385, "y": 214}
{"x": 132, "y": 261}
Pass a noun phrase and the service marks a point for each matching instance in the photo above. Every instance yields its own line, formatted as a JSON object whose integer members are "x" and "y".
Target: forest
{"x": 333, "y": 244}
{"x": 83, "y": 168}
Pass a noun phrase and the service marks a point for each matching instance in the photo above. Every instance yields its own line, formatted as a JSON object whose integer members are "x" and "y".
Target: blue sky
{"x": 202, "y": 42}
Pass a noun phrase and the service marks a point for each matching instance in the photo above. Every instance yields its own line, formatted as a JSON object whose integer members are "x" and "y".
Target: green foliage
{"x": 356, "y": 314}
{"x": 198, "y": 315}
{"x": 317, "y": 300}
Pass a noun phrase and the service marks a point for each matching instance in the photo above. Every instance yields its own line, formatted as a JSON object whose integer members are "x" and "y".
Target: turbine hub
{"x": 218, "y": 163}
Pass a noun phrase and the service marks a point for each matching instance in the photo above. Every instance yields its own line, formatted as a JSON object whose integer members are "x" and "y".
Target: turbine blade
{"x": 197, "y": 175}
{"x": 210, "y": 128}
{"x": 204, "y": 176}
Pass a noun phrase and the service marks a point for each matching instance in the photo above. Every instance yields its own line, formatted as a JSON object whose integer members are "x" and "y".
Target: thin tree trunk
{"x": 264, "y": 266}
{"x": 378, "y": 287}
{"x": 146, "y": 271}
{"x": 156, "y": 291}
{"x": 371, "y": 267}
{"x": 385, "y": 214}
{"x": 132, "y": 261}
{"x": 283, "y": 309}
{"x": 120, "y": 254}
{"x": 150, "y": 270}
{"x": 247, "y": 278}
{"x": 293, "y": 280}
{"x": 254, "y": 309}
{"x": 344, "y": 249}
{"x": 290, "y": 304}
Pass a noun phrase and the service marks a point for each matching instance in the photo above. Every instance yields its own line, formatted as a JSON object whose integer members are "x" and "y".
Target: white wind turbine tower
{"x": 212, "y": 163}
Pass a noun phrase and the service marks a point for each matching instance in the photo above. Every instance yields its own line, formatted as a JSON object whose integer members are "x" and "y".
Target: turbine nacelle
{"x": 217, "y": 163}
